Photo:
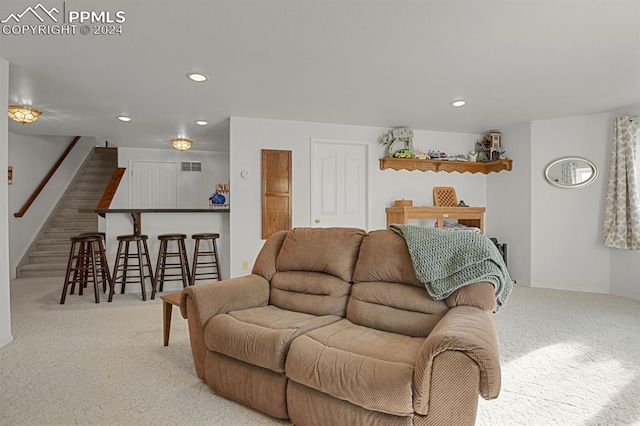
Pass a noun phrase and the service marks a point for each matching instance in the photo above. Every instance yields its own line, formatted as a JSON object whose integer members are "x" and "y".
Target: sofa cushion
{"x": 260, "y": 336}
{"x": 367, "y": 367}
{"x": 384, "y": 256}
{"x": 310, "y": 292}
{"x": 393, "y": 307}
{"x": 330, "y": 250}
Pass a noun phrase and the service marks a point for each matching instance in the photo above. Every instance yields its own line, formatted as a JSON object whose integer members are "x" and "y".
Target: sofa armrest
{"x": 481, "y": 295}
{"x": 198, "y": 304}
{"x": 221, "y": 297}
{"x": 467, "y": 330}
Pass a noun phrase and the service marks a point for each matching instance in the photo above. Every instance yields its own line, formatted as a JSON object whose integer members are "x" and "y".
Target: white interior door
{"x": 153, "y": 185}
{"x": 338, "y": 184}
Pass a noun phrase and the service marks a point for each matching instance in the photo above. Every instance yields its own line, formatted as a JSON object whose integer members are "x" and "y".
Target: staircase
{"x": 49, "y": 252}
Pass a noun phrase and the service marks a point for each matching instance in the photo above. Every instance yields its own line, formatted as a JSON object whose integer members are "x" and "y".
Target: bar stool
{"x": 164, "y": 268}
{"x": 212, "y": 262}
{"x": 142, "y": 260}
{"x": 87, "y": 263}
{"x": 106, "y": 274}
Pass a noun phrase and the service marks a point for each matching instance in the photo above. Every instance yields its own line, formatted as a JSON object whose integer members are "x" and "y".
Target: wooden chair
{"x": 444, "y": 196}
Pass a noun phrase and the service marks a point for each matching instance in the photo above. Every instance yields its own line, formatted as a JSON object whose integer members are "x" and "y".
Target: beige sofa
{"x": 333, "y": 328}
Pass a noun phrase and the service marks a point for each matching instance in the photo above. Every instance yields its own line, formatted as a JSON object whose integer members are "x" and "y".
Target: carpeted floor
{"x": 568, "y": 359}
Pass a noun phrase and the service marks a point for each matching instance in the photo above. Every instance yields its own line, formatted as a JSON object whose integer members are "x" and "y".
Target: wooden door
{"x": 153, "y": 185}
{"x": 276, "y": 191}
{"x": 338, "y": 184}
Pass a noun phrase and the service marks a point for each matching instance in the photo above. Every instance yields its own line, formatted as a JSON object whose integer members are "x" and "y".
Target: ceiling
{"x": 385, "y": 63}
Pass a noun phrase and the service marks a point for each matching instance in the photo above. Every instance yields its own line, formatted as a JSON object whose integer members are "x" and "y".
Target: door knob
{"x": 317, "y": 221}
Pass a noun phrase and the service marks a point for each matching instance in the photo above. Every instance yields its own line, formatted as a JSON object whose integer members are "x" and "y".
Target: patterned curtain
{"x": 622, "y": 207}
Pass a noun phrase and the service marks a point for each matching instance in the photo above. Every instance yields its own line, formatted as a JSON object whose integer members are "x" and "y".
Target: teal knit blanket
{"x": 445, "y": 260}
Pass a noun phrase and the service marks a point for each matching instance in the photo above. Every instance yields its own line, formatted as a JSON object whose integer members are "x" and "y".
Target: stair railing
{"x": 46, "y": 179}
{"x": 111, "y": 188}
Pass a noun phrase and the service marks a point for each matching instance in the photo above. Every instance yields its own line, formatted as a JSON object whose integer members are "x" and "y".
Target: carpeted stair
{"x": 49, "y": 252}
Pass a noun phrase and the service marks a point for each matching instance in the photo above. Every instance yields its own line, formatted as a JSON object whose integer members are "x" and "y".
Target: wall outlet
{"x": 245, "y": 265}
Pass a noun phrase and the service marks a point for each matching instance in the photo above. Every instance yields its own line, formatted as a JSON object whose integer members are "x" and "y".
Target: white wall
{"x": 567, "y": 250}
{"x": 509, "y": 203}
{"x": 32, "y": 158}
{"x": 194, "y": 188}
{"x": 249, "y": 136}
{"x": 5, "y": 306}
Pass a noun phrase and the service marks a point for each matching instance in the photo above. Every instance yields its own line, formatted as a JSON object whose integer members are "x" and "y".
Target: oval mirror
{"x": 571, "y": 172}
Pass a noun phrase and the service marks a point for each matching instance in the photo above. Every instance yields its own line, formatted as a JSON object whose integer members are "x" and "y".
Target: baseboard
{"x": 569, "y": 288}
{"x": 6, "y": 341}
{"x": 626, "y": 294}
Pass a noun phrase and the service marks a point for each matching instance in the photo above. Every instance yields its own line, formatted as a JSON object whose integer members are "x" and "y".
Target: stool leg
{"x": 184, "y": 264}
{"x": 160, "y": 266}
{"x": 114, "y": 276}
{"x": 92, "y": 250}
{"x": 77, "y": 265}
{"x": 67, "y": 275}
{"x": 194, "y": 264}
{"x": 102, "y": 263}
{"x": 83, "y": 268}
{"x": 215, "y": 254}
{"x": 104, "y": 266}
{"x": 148, "y": 265}
{"x": 125, "y": 267}
{"x": 141, "y": 265}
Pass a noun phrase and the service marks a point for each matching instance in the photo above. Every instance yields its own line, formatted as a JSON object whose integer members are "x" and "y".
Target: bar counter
{"x": 154, "y": 222}
{"x": 136, "y": 214}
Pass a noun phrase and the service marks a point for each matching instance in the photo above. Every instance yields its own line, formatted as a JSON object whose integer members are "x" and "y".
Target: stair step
{"x": 84, "y": 193}
{"x": 90, "y": 184}
{"x": 67, "y": 232}
{"x": 53, "y": 244}
{"x": 42, "y": 270}
{"x": 66, "y": 223}
{"x": 99, "y": 169}
{"x": 75, "y": 214}
{"x": 79, "y": 204}
{"x": 49, "y": 257}
{"x": 62, "y": 230}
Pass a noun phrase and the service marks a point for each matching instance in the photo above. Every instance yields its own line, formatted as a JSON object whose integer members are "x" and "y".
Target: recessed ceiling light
{"x": 197, "y": 77}
{"x": 458, "y": 102}
{"x": 201, "y": 122}
{"x": 124, "y": 118}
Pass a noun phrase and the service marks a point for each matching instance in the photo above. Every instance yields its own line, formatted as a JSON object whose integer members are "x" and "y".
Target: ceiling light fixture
{"x": 124, "y": 118}
{"x": 458, "y": 103}
{"x": 181, "y": 144}
{"x": 197, "y": 77}
{"x": 23, "y": 114}
{"x": 201, "y": 122}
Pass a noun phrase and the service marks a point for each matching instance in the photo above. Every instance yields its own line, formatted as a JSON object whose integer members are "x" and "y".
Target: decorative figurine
{"x": 404, "y": 135}
{"x": 220, "y": 198}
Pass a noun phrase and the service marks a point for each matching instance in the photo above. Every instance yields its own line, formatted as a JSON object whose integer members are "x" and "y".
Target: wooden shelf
{"x": 444, "y": 165}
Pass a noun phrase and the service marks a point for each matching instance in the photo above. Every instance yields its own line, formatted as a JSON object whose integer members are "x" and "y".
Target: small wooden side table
{"x": 168, "y": 300}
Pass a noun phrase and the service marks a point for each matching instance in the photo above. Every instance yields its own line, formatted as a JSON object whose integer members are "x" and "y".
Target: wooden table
{"x": 469, "y": 216}
{"x": 168, "y": 300}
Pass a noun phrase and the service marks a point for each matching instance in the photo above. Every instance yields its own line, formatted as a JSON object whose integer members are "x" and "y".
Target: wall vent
{"x": 191, "y": 166}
